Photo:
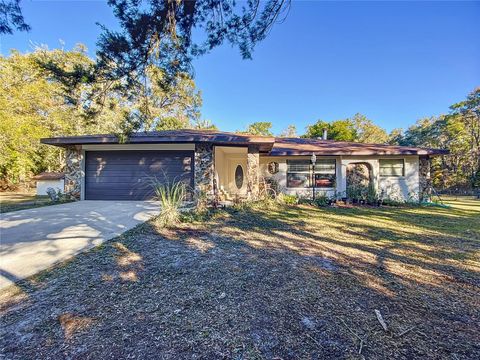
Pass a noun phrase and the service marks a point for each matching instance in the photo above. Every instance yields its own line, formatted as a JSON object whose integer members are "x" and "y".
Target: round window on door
{"x": 239, "y": 176}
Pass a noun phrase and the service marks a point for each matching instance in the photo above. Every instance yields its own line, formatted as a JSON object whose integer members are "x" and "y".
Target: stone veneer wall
{"x": 204, "y": 171}
{"x": 359, "y": 175}
{"x": 424, "y": 178}
{"x": 73, "y": 172}
{"x": 253, "y": 169}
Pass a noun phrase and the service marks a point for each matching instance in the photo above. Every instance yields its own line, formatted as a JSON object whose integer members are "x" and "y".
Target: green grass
{"x": 264, "y": 282}
{"x": 13, "y": 201}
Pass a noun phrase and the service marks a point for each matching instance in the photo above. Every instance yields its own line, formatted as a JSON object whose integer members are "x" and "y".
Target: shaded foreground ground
{"x": 293, "y": 282}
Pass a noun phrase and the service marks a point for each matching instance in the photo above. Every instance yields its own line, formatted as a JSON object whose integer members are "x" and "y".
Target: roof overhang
{"x": 267, "y": 145}
{"x": 305, "y": 147}
{"x": 264, "y": 143}
{"x": 326, "y": 152}
{"x": 49, "y": 176}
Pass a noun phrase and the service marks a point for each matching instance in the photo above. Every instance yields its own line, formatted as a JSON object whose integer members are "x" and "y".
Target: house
{"x": 45, "y": 180}
{"x": 224, "y": 165}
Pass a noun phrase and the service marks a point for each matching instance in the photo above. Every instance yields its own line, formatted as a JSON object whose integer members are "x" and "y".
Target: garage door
{"x": 127, "y": 175}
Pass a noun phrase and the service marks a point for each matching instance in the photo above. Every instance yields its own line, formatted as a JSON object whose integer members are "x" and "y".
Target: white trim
{"x": 138, "y": 147}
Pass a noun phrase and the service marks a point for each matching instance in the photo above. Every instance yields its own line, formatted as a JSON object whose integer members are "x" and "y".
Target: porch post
{"x": 204, "y": 172}
{"x": 73, "y": 172}
{"x": 253, "y": 169}
{"x": 424, "y": 181}
{"x": 342, "y": 181}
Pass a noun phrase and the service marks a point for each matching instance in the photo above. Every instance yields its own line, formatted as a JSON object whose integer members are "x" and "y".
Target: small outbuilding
{"x": 45, "y": 180}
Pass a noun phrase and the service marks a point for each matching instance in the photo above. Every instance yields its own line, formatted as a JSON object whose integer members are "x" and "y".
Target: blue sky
{"x": 395, "y": 62}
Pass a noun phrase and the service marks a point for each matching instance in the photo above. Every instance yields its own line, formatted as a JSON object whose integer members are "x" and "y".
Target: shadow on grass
{"x": 290, "y": 282}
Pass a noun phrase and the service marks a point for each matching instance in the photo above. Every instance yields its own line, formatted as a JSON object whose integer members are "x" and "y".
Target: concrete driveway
{"x": 35, "y": 239}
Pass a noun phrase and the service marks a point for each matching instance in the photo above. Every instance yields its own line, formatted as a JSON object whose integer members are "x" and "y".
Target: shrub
{"x": 288, "y": 199}
{"x": 321, "y": 200}
{"x": 55, "y": 195}
{"x": 372, "y": 195}
{"x": 197, "y": 215}
{"x": 390, "y": 202}
{"x": 171, "y": 196}
{"x": 356, "y": 193}
{"x": 202, "y": 202}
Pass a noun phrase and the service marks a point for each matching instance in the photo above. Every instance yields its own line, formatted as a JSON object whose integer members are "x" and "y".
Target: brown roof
{"x": 301, "y": 146}
{"x": 49, "y": 176}
{"x": 169, "y": 136}
{"x": 267, "y": 144}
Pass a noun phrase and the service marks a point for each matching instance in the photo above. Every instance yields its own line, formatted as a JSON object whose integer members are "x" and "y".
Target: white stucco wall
{"x": 281, "y": 176}
{"x": 403, "y": 187}
{"x": 226, "y": 161}
{"x": 400, "y": 188}
{"x": 43, "y": 185}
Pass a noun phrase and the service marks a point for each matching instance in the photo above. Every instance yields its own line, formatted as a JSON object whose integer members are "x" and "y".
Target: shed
{"x": 45, "y": 180}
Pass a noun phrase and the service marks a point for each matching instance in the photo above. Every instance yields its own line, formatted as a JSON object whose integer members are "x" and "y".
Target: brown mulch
{"x": 247, "y": 285}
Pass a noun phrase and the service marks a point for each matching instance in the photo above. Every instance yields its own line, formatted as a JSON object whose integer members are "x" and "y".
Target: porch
{"x": 225, "y": 174}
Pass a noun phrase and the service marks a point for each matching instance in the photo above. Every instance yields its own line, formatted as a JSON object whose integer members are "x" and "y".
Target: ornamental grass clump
{"x": 171, "y": 196}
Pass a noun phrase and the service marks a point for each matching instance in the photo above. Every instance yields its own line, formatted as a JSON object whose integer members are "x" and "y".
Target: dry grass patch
{"x": 288, "y": 282}
{"x": 14, "y": 201}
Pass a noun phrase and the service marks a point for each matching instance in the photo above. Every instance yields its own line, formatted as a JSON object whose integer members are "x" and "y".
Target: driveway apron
{"x": 35, "y": 239}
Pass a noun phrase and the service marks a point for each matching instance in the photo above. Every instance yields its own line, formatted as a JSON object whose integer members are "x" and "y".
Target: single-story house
{"x": 221, "y": 165}
{"x": 45, "y": 180}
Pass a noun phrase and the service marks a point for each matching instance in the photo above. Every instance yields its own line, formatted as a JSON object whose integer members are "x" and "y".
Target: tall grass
{"x": 171, "y": 195}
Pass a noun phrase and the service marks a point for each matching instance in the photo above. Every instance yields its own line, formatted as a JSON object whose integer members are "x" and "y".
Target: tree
{"x": 464, "y": 120}
{"x": 357, "y": 129}
{"x": 152, "y": 106}
{"x": 367, "y": 131}
{"x": 57, "y": 93}
{"x": 290, "y": 131}
{"x": 11, "y": 17}
{"x": 459, "y": 132}
{"x": 204, "y": 125}
{"x": 395, "y": 136}
{"x": 33, "y": 105}
{"x": 340, "y": 130}
{"x": 96, "y": 102}
{"x": 159, "y": 32}
{"x": 171, "y": 107}
{"x": 259, "y": 128}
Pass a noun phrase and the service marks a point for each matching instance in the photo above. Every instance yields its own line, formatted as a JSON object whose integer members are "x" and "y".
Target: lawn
{"x": 13, "y": 201}
{"x": 288, "y": 283}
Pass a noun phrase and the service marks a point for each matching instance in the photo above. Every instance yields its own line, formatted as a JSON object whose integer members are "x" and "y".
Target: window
{"x": 392, "y": 167}
{"x": 300, "y": 173}
{"x": 273, "y": 167}
{"x": 325, "y": 170}
{"x": 239, "y": 176}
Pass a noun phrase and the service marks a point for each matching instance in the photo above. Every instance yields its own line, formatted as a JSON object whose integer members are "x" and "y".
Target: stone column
{"x": 342, "y": 178}
{"x": 73, "y": 172}
{"x": 204, "y": 172}
{"x": 424, "y": 180}
{"x": 253, "y": 169}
